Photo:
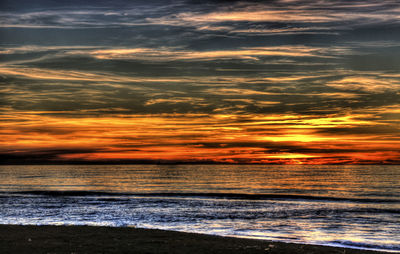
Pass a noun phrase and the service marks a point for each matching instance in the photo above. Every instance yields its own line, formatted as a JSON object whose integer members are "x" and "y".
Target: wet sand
{"x": 88, "y": 239}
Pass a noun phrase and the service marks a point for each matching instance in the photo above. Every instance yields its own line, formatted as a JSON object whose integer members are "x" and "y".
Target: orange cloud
{"x": 163, "y": 53}
{"x": 195, "y": 137}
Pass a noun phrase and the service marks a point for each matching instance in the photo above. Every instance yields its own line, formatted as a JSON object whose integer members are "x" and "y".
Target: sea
{"x": 353, "y": 206}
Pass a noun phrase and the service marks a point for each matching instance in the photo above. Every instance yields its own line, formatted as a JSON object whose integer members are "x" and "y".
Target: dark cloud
{"x": 272, "y": 148}
{"x": 363, "y": 130}
{"x": 39, "y": 156}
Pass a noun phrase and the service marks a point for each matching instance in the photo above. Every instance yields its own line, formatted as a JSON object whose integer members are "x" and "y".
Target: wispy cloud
{"x": 333, "y": 15}
{"x": 70, "y": 18}
{"x": 367, "y": 83}
{"x": 301, "y": 15}
{"x": 50, "y": 74}
{"x": 252, "y": 53}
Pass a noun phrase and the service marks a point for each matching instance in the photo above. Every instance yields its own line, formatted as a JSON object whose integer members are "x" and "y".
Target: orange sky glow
{"x": 283, "y": 139}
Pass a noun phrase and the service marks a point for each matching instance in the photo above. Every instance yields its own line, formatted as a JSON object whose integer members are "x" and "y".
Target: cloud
{"x": 329, "y": 15}
{"x": 194, "y": 137}
{"x": 253, "y": 14}
{"x": 176, "y": 100}
{"x": 67, "y": 75}
{"x": 367, "y": 83}
{"x": 235, "y": 91}
{"x": 299, "y": 16}
{"x": 71, "y": 18}
{"x": 164, "y": 54}
{"x": 282, "y": 31}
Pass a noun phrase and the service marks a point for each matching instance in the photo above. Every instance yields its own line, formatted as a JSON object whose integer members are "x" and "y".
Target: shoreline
{"x": 102, "y": 239}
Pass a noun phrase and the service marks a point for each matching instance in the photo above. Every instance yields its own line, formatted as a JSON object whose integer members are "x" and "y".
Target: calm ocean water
{"x": 350, "y": 206}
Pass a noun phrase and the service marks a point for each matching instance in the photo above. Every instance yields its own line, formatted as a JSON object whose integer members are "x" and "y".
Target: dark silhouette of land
{"x": 88, "y": 239}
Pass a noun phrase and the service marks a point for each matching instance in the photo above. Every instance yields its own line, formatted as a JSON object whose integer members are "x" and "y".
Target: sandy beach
{"x": 89, "y": 239}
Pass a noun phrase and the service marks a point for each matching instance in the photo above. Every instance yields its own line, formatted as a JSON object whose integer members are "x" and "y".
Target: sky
{"x": 279, "y": 81}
